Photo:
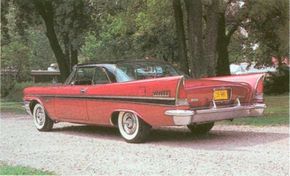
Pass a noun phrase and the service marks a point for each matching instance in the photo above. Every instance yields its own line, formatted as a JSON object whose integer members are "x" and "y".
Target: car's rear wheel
{"x": 132, "y": 128}
{"x": 201, "y": 128}
{"x": 41, "y": 120}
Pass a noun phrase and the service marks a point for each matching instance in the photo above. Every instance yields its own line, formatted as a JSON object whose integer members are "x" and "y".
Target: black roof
{"x": 121, "y": 61}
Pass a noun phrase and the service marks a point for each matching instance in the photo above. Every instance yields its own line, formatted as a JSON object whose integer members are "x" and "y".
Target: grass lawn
{"x": 20, "y": 170}
{"x": 276, "y": 113}
{"x": 15, "y": 107}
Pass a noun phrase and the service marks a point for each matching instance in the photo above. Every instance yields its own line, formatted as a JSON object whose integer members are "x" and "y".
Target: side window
{"x": 70, "y": 78}
{"x": 100, "y": 77}
{"x": 84, "y": 76}
{"x": 127, "y": 69}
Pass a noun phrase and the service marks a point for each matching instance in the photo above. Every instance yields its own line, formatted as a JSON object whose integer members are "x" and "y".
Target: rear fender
{"x": 254, "y": 80}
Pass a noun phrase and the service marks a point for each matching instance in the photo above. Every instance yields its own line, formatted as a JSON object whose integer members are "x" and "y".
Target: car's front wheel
{"x": 41, "y": 119}
{"x": 200, "y": 128}
{"x": 132, "y": 128}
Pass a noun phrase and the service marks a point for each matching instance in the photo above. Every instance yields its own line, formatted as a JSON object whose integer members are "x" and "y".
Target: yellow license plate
{"x": 220, "y": 95}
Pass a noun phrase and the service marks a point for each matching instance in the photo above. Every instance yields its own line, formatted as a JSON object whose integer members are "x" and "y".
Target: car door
{"x": 98, "y": 108}
{"x": 70, "y": 102}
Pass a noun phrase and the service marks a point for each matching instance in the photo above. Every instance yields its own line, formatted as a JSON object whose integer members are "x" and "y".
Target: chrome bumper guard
{"x": 186, "y": 117}
{"x": 26, "y": 107}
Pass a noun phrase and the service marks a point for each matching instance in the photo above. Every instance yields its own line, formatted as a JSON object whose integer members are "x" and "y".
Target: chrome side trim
{"x": 158, "y": 101}
{"x": 106, "y": 96}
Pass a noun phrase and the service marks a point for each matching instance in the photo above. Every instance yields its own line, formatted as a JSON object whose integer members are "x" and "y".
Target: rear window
{"x": 145, "y": 70}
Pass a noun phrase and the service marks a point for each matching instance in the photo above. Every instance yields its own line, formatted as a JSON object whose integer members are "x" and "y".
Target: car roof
{"x": 114, "y": 62}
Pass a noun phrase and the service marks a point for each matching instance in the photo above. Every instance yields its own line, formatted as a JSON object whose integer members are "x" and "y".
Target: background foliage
{"x": 36, "y": 33}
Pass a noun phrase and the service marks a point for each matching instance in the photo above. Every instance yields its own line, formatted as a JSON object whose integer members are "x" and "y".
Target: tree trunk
{"x": 179, "y": 24}
{"x": 66, "y": 44}
{"x": 71, "y": 53}
{"x": 45, "y": 10}
{"x": 223, "y": 64}
{"x": 195, "y": 44}
{"x": 73, "y": 57}
{"x": 211, "y": 34}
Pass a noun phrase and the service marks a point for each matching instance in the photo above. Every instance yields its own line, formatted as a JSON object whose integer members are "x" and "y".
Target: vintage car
{"x": 137, "y": 95}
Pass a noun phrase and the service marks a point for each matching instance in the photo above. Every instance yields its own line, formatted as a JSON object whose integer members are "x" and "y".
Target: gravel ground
{"x": 85, "y": 150}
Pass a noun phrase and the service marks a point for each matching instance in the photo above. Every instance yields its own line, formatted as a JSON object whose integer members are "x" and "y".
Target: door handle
{"x": 83, "y": 90}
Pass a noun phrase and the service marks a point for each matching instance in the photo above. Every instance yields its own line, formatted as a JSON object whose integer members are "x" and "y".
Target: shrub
{"x": 16, "y": 93}
{"x": 278, "y": 83}
{"x": 15, "y": 57}
{"x": 7, "y": 83}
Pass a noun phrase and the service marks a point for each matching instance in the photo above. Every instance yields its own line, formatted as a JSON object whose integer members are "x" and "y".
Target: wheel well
{"x": 115, "y": 115}
{"x": 32, "y": 104}
{"x": 114, "y": 118}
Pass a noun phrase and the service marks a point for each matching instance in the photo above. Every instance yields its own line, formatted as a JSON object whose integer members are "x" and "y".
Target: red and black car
{"x": 136, "y": 95}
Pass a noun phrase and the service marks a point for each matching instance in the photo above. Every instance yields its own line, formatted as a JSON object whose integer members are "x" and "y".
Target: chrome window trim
{"x": 71, "y": 76}
{"x": 105, "y": 71}
{"x": 106, "y": 96}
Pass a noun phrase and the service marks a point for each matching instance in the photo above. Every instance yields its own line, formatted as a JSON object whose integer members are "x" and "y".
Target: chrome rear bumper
{"x": 186, "y": 117}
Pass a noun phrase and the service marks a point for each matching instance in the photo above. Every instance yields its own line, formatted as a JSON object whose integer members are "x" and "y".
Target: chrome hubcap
{"x": 129, "y": 123}
{"x": 39, "y": 116}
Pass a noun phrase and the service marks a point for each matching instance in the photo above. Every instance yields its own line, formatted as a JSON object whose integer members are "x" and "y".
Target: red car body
{"x": 162, "y": 101}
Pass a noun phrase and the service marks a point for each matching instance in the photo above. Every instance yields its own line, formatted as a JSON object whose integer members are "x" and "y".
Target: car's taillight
{"x": 258, "y": 96}
{"x": 182, "y": 102}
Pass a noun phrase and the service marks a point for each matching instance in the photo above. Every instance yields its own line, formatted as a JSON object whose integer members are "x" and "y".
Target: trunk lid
{"x": 201, "y": 93}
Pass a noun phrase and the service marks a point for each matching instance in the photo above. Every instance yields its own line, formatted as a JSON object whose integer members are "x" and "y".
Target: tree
{"x": 259, "y": 30}
{"x": 199, "y": 48}
{"x": 269, "y": 27}
{"x": 213, "y": 11}
{"x": 15, "y": 53}
{"x": 15, "y": 59}
{"x": 64, "y": 21}
{"x": 181, "y": 41}
{"x": 195, "y": 41}
{"x": 41, "y": 53}
{"x": 4, "y": 22}
{"x": 231, "y": 18}
{"x": 188, "y": 24}
{"x": 199, "y": 41}
{"x": 132, "y": 29}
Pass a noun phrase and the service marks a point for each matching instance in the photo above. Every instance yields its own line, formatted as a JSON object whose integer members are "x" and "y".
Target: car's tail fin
{"x": 254, "y": 80}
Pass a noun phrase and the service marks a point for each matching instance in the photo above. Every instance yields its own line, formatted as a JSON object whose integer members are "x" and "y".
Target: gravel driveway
{"x": 78, "y": 149}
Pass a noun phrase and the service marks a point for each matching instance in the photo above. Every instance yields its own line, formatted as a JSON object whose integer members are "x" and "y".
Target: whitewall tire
{"x": 132, "y": 128}
{"x": 40, "y": 118}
